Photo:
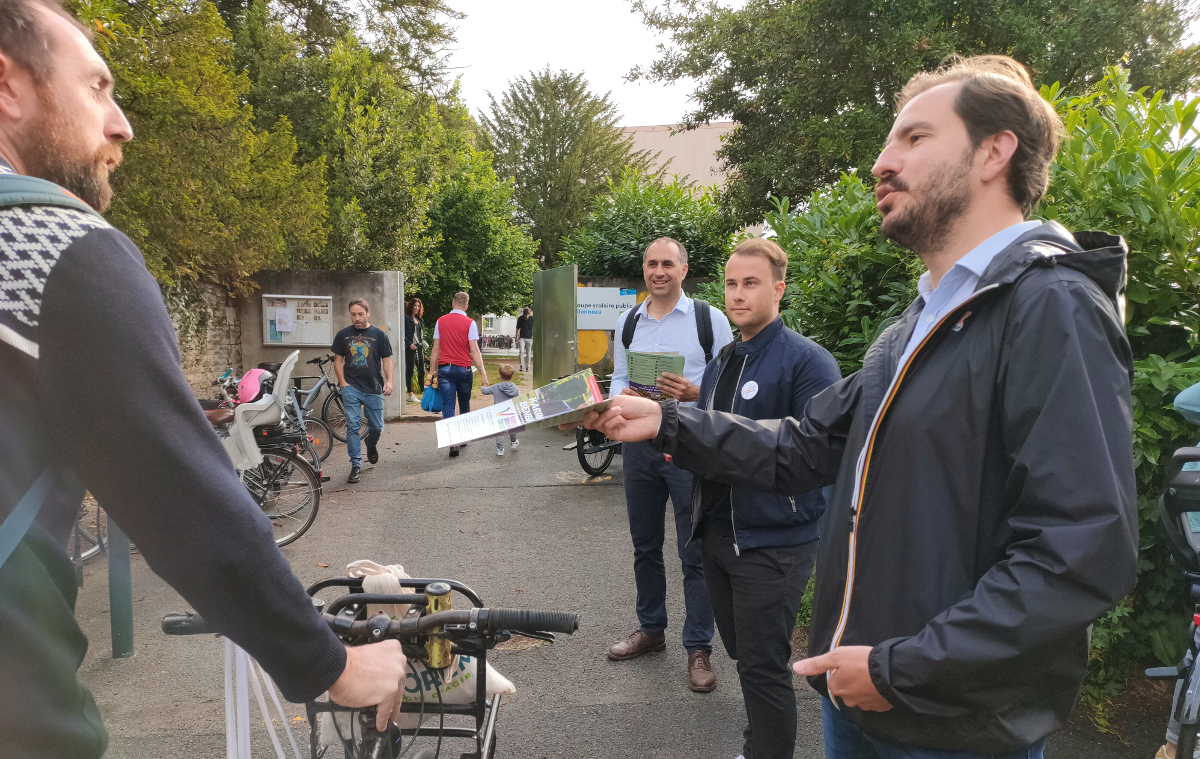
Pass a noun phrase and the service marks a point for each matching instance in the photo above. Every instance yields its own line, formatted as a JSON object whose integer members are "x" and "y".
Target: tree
{"x": 810, "y": 84}
{"x": 201, "y": 192}
{"x": 479, "y": 244}
{"x": 560, "y": 143}
{"x": 638, "y": 209}
{"x": 387, "y": 150}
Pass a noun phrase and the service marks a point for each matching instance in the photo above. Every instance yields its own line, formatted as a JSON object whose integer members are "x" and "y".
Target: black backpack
{"x": 703, "y": 328}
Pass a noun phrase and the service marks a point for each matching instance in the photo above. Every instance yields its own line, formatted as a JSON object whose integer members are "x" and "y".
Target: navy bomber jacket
{"x": 783, "y": 370}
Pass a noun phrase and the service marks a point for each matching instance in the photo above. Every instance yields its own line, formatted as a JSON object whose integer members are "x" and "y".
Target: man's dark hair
{"x": 353, "y": 301}
{"x": 998, "y": 95}
{"x": 678, "y": 247}
{"x": 25, "y": 38}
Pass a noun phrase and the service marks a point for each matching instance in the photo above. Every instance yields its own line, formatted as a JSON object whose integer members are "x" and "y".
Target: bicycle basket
{"x": 1179, "y": 508}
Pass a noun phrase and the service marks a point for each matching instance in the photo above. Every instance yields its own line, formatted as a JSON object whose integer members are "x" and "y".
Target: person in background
{"x": 360, "y": 352}
{"x": 666, "y": 321}
{"x": 414, "y": 347}
{"x": 87, "y": 347}
{"x": 758, "y": 547}
{"x": 455, "y": 349}
{"x": 500, "y": 392}
{"x": 524, "y": 338}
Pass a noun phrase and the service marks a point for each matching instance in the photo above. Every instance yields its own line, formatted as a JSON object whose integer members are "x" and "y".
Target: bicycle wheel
{"x": 592, "y": 456}
{"x": 333, "y": 413}
{"x": 320, "y": 436}
{"x": 288, "y": 491}
{"x": 91, "y": 530}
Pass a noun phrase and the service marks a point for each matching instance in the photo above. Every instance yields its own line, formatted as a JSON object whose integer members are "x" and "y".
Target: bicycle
{"x": 431, "y": 633}
{"x": 333, "y": 412}
{"x": 593, "y": 448}
{"x": 1179, "y": 519}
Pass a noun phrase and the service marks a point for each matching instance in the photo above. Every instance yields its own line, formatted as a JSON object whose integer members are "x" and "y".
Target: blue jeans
{"x": 649, "y": 481}
{"x": 846, "y": 740}
{"x": 356, "y": 402}
{"x": 455, "y": 381}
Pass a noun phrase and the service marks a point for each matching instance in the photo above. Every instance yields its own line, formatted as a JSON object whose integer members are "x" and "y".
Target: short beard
{"x": 52, "y": 152}
{"x": 923, "y": 228}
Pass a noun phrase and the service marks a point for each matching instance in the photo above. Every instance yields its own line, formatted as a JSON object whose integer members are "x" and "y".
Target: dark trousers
{"x": 846, "y": 740}
{"x": 455, "y": 381}
{"x": 755, "y": 597}
{"x": 414, "y": 361}
{"x": 649, "y": 480}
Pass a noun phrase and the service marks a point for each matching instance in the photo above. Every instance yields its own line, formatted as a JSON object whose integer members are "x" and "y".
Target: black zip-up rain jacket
{"x": 984, "y": 512}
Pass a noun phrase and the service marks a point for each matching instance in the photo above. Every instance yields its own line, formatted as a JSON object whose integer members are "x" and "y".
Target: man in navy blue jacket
{"x": 758, "y": 548}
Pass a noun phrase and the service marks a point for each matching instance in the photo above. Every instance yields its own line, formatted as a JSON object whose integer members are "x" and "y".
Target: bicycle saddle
{"x": 219, "y": 417}
{"x": 270, "y": 366}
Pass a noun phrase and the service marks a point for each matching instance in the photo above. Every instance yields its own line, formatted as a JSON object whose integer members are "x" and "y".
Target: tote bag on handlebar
{"x": 456, "y": 682}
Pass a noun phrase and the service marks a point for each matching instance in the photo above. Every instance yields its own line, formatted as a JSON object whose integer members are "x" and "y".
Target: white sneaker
{"x": 500, "y": 450}
{"x": 515, "y": 443}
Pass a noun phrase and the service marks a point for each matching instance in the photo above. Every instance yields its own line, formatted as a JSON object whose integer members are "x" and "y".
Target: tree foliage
{"x": 1129, "y": 166}
{"x": 810, "y": 84}
{"x": 202, "y": 192}
{"x": 560, "y": 143}
{"x": 479, "y": 244}
{"x": 638, "y": 209}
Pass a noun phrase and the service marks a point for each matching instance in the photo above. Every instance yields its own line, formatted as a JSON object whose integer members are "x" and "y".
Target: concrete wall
{"x": 206, "y": 357}
{"x": 383, "y": 290}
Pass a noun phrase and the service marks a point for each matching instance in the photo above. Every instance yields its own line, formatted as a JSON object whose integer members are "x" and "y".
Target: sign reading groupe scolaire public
{"x": 599, "y": 307}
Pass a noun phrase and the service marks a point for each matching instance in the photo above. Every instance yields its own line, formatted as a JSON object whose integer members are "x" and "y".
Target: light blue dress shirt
{"x": 957, "y": 284}
{"x": 676, "y": 331}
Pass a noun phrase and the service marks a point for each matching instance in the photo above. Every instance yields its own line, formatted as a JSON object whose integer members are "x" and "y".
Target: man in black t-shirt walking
{"x": 525, "y": 338}
{"x": 359, "y": 351}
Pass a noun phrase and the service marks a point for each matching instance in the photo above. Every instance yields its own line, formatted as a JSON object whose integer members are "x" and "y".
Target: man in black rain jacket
{"x": 984, "y": 505}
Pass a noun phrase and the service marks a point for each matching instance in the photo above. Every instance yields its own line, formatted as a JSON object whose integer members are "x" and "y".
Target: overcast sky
{"x": 500, "y": 40}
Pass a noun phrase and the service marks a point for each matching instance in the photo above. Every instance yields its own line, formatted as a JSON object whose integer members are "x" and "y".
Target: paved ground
{"x": 526, "y": 530}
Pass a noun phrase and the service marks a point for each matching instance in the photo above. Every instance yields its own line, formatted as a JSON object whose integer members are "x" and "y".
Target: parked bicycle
{"x": 273, "y": 459}
{"x": 1179, "y": 519}
{"x": 333, "y": 412}
{"x": 593, "y": 448}
{"x": 431, "y": 633}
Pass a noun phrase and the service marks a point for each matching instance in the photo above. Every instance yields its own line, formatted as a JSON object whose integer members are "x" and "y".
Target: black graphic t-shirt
{"x": 363, "y": 351}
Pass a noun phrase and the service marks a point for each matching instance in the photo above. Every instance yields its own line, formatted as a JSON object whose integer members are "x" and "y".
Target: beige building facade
{"x": 692, "y": 154}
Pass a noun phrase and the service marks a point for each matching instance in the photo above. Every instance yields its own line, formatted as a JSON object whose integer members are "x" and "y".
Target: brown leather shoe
{"x": 701, "y": 677}
{"x": 635, "y": 645}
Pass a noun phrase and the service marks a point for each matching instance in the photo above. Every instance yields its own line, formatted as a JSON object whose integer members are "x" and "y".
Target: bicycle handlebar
{"x": 474, "y": 620}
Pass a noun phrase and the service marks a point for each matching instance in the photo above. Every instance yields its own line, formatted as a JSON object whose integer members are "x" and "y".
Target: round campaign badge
{"x": 750, "y": 389}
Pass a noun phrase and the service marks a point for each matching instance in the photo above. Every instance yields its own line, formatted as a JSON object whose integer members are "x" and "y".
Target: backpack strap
{"x": 20, "y": 519}
{"x": 630, "y": 326}
{"x": 20, "y": 190}
{"x": 704, "y": 327}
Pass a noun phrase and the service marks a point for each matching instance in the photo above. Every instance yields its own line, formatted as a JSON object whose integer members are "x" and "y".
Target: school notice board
{"x": 297, "y": 320}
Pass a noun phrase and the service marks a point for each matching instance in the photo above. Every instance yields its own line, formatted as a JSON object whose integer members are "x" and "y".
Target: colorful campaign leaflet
{"x": 561, "y": 402}
{"x": 645, "y": 369}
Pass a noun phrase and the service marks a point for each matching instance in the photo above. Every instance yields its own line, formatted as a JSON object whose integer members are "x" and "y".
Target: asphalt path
{"x": 528, "y": 530}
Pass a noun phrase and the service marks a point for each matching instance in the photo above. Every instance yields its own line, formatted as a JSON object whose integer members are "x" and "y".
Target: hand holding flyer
{"x": 645, "y": 369}
{"x": 561, "y": 402}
